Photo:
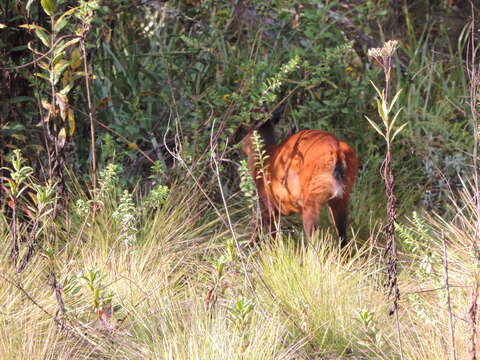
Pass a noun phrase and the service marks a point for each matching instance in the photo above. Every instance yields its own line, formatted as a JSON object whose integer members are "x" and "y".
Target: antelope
{"x": 305, "y": 171}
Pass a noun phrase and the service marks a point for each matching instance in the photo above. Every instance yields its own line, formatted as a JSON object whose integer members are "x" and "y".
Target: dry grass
{"x": 308, "y": 302}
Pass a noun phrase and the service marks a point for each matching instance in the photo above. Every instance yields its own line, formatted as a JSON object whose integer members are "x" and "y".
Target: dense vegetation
{"x": 126, "y": 204}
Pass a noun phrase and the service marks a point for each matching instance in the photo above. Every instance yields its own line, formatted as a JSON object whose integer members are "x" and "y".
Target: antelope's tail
{"x": 345, "y": 170}
{"x": 339, "y": 173}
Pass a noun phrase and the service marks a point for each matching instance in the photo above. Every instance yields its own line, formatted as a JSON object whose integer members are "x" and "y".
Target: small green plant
{"x": 43, "y": 197}
{"x": 247, "y": 185}
{"x": 157, "y": 196}
{"x": 126, "y": 216}
{"x": 159, "y": 193}
{"x": 157, "y": 171}
{"x": 82, "y": 208}
{"x": 374, "y": 336}
{"x": 40, "y": 205}
{"x": 108, "y": 185}
{"x": 240, "y": 313}
{"x": 418, "y": 240}
{"x": 219, "y": 266}
{"x": 261, "y": 156}
{"x": 412, "y": 240}
{"x": 271, "y": 85}
{"x": 108, "y": 149}
{"x": 92, "y": 280}
{"x": 71, "y": 285}
{"x": 108, "y": 179}
{"x": 26, "y": 196}
{"x": 19, "y": 176}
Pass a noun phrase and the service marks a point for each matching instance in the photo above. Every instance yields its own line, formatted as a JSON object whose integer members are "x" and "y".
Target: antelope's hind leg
{"x": 339, "y": 209}
{"x": 311, "y": 212}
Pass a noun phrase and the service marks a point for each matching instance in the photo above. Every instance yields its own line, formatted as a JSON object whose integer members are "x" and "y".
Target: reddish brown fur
{"x": 304, "y": 172}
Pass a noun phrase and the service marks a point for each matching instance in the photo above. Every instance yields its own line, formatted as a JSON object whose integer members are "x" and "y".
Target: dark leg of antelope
{"x": 310, "y": 214}
{"x": 339, "y": 208}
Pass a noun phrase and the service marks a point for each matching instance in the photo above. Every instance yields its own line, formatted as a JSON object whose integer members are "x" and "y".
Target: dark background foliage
{"x": 176, "y": 78}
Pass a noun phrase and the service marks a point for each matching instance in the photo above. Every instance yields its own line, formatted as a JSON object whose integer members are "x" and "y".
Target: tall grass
{"x": 306, "y": 301}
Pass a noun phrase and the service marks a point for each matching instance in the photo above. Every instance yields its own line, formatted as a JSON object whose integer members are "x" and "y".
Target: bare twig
{"x": 30, "y": 245}
{"x": 116, "y": 133}
{"x": 14, "y": 229}
{"x": 85, "y": 31}
{"x": 19, "y": 286}
{"x": 71, "y": 330}
{"x": 473, "y": 70}
{"x": 213, "y": 146}
{"x": 472, "y": 322}
{"x": 449, "y": 306}
{"x": 145, "y": 155}
{"x": 383, "y": 56}
{"x": 57, "y": 290}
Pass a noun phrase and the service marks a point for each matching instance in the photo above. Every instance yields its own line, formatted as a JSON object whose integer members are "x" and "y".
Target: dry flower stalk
{"x": 383, "y": 56}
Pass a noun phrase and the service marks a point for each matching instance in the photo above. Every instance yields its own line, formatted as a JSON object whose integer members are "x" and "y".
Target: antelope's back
{"x": 302, "y": 163}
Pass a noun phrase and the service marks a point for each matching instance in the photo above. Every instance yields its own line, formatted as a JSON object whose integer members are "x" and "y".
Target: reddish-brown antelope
{"x": 305, "y": 171}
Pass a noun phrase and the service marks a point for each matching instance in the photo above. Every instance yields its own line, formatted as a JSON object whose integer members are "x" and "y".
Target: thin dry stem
{"x": 85, "y": 31}
{"x": 473, "y": 71}
{"x": 384, "y": 57}
{"x": 449, "y": 304}
{"x": 472, "y": 322}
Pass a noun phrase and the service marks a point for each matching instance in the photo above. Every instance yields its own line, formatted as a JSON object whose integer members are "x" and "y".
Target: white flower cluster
{"x": 386, "y": 51}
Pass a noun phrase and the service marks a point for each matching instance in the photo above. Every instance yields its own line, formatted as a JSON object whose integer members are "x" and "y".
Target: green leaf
{"x": 394, "y": 100}
{"x": 71, "y": 122}
{"x": 395, "y": 118}
{"x": 60, "y": 48}
{"x": 57, "y": 58}
{"x": 18, "y": 48}
{"x": 62, "y": 20}
{"x": 380, "y": 93}
{"x": 398, "y": 130}
{"x": 78, "y": 75}
{"x": 60, "y": 24}
{"x": 67, "y": 89}
{"x": 20, "y": 99}
{"x": 385, "y": 112}
{"x": 48, "y": 6}
{"x": 44, "y": 37}
{"x": 43, "y": 76}
{"x": 377, "y": 129}
{"x": 380, "y": 109}
{"x": 58, "y": 70}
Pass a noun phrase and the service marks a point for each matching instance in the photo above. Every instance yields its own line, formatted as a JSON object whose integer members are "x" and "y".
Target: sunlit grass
{"x": 171, "y": 302}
